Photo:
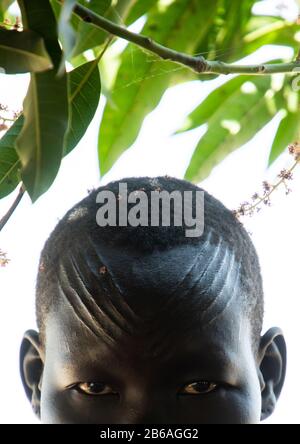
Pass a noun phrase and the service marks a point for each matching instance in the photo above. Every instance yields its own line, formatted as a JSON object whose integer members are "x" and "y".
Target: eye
{"x": 94, "y": 388}
{"x": 199, "y": 388}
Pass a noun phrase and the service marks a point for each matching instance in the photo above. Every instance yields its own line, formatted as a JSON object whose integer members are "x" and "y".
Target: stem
{"x": 246, "y": 208}
{"x": 6, "y": 119}
{"x": 7, "y": 216}
{"x": 282, "y": 180}
{"x": 102, "y": 52}
{"x": 198, "y": 64}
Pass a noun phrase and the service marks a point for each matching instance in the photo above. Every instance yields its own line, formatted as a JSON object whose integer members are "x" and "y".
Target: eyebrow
{"x": 192, "y": 366}
{"x": 203, "y": 358}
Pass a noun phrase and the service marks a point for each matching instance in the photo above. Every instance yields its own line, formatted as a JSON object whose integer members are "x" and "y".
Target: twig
{"x": 6, "y": 119}
{"x": 283, "y": 177}
{"x": 247, "y": 208}
{"x": 7, "y": 216}
{"x": 198, "y": 64}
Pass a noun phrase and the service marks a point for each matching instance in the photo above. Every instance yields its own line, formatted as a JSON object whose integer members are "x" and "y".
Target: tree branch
{"x": 7, "y": 216}
{"x": 198, "y": 64}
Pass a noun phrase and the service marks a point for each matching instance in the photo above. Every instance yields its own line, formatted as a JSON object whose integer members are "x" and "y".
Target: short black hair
{"x": 79, "y": 225}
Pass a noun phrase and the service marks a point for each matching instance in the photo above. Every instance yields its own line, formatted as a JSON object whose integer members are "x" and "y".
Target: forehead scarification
{"x": 93, "y": 264}
{"x": 186, "y": 288}
{"x": 77, "y": 303}
{"x": 215, "y": 285}
{"x": 102, "y": 319}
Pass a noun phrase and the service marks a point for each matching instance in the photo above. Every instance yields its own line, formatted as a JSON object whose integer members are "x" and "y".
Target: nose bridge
{"x": 146, "y": 405}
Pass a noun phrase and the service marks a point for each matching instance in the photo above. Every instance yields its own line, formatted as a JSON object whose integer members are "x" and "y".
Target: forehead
{"x": 224, "y": 346}
{"x": 221, "y": 351}
{"x": 152, "y": 300}
{"x": 206, "y": 274}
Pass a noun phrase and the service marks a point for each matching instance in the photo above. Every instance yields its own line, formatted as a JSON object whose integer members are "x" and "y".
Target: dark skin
{"x": 208, "y": 375}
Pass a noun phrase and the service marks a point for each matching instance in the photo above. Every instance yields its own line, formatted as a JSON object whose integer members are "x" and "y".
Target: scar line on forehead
{"x": 81, "y": 310}
{"x": 218, "y": 276}
{"x": 128, "y": 311}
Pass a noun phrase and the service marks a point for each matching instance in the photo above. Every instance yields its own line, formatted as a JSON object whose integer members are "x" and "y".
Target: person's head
{"x": 144, "y": 324}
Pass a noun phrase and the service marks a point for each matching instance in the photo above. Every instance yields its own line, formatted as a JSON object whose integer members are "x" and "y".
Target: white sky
{"x": 156, "y": 152}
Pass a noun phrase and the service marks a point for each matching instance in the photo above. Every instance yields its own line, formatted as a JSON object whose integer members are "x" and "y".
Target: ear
{"x": 31, "y": 368}
{"x": 272, "y": 366}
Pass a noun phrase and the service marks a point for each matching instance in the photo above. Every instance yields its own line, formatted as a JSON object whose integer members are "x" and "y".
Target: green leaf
{"x": 237, "y": 33}
{"x": 4, "y": 5}
{"x": 224, "y": 38}
{"x": 66, "y": 32}
{"x": 142, "y": 79}
{"x": 84, "y": 86}
{"x": 140, "y": 8}
{"x": 9, "y": 159}
{"x": 74, "y": 22}
{"x": 22, "y": 52}
{"x": 81, "y": 59}
{"x": 57, "y": 7}
{"x": 287, "y": 133}
{"x": 38, "y": 16}
{"x": 119, "y": 11}
{"x": 258, "y": 32}
{"x": 88, "y": 35}
{"x": 40, "y": 144}
{"x": 235, "y": 121}
{"x": 278, "y": 32}
{"x": 84, "y": 90}
{"x": 210, "y": 105}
